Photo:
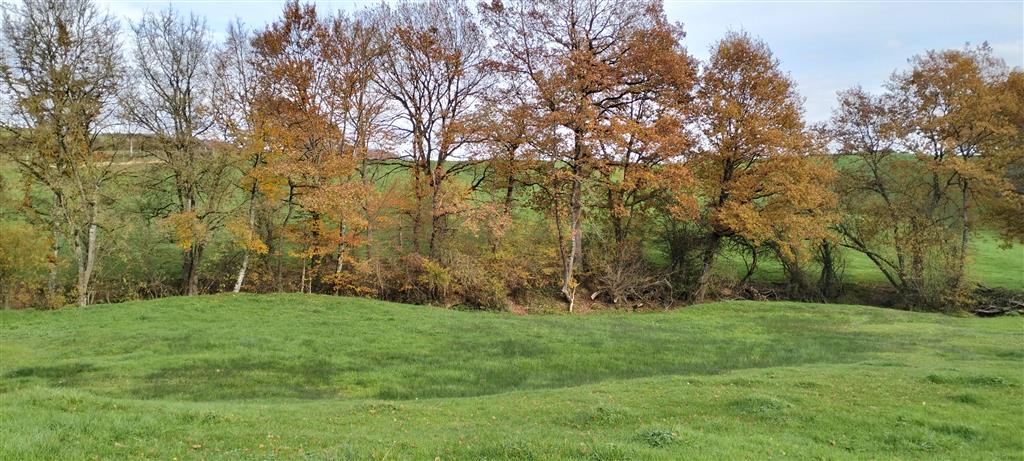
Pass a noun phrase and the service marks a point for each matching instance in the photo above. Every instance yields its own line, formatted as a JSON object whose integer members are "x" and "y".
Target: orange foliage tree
{"x": 953, "y": 102}
{"x": 754, "y": 170}
{"x": 938, "y": 152}
{"x": 588, "y": 68}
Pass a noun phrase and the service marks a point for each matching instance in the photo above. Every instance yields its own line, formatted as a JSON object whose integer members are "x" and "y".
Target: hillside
{"x": 318, "y": 377}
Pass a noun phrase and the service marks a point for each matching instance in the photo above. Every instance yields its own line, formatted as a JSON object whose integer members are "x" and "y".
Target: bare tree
{"x": 581, "y": 61}
{"x": 234, "y": 91}
{"x": 434, "y": 70}
{"x": 171, "y": 101}
{"x": 60, "y": 69}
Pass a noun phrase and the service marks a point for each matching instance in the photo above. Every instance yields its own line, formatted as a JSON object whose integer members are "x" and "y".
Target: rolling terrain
{"x": 321, "y": 377}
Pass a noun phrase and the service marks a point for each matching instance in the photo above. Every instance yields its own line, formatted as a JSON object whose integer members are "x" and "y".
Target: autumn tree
{"x": 952, "y": 101}
{"x": 234, "y": 81}
{"x": 171, "y": 100}
{"x": 315, "y": 126}
{"x": 883, "y": 192}
{"x": 510, "y": 128}
{"x": 434, "y": 71}
{"x": 754, "y": 168}
{"x": 366, "y": 132}
{"x": 61, "y": 70}
{"x": 584, "y": 63}
{"x": 942, "y": 140}
{"x": 1004, "y": 205}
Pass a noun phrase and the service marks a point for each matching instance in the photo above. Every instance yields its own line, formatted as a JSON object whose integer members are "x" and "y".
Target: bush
{"x": 24, "y": 266}
{"x": 620, "y": 274}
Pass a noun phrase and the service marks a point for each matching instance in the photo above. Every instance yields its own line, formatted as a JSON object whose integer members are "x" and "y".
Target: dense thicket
{"x": 521, "y": 152}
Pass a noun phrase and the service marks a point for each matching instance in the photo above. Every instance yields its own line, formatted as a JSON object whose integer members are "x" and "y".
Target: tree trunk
{"x": 54, "y": 260}
{"x": 302, "y": 281}
{"x": 752, "y": 267}
{"x": 341, "y": 249}
{"x": 829, "y": 276}
{"x": 965, "y": 235}
{"x": 509, "y": 195}
{"x": 86, "y": 254}
{"x": 241, "y": 273}
{"x": 436, "y": 221}
{"x": 191, "y": 277}
{"x": 415, "y": 237}
{"x": 575, "y": 242}
{"x": 252, "y": 228}
{"x": 704, "y": 282}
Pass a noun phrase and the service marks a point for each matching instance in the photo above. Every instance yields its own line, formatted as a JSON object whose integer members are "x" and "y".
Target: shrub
{"x": 620, "y": 274}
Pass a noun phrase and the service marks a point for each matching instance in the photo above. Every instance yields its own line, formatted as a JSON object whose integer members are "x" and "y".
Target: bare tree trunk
{"x": 54, "y": 262}
{"x": 252, "y": 228}
{"x": 436, "y": 221}
{"x": 509, "y": 195}
{"x": 82, "y": 286}
{"x": 575, "y": 243}
{"x": 86, "y": 254}
{"x": 752, "y": 267}
{"x": 369, "y": 238}
{"x": 965, "y": 234}
{"x": 829, "y": 277}
{"x": 415, "y": 231}
{"x": 341, "y": 249}
{"x": 704, "y": 282}
{"x": 241, "y": 273}
{"x": 194, "y": 256}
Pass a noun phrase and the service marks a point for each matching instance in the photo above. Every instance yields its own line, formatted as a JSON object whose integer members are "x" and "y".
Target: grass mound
{"x": 319, "y": 377}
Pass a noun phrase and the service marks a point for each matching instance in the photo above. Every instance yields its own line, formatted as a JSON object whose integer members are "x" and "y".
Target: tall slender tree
{"x": 434, "y": 70}
{"x": 315, "y": 127}
{"x": 171, "y": 101}
{"x": 952, "y": 102}
{"x": 61, "y": 69}
{"x": 233, "y": 97}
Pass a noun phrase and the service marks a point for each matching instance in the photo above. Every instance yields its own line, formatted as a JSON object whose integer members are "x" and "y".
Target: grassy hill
{"x": 318, "y": 377}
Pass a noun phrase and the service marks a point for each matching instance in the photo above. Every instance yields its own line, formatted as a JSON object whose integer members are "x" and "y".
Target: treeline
{"x": 432, "y": 152}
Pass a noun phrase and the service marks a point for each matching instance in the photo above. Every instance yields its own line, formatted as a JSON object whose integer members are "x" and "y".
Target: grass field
{"x": 319, "y": 377}
{"x": 991, "y": 265}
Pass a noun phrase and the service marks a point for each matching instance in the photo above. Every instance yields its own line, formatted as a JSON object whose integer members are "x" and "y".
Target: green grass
{"x": 318, "y": 377}
{"x": 990, "y": 264}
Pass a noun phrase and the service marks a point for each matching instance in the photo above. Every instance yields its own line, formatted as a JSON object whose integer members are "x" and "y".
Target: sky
{"x": 825, "y": 45}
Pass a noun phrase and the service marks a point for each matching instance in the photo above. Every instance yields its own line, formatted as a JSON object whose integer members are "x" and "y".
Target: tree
{"x": 364, "y": 131}
{"x": 61, "y": 69}
{"x": 884, "y": 193}
{"x": 952, "y": 101}
{"x": 433, "y": 69}
{"x": 234, "y": 83}
{"x": 308, "y": 107}
{"x": 171, "y": 100}
{"x": 582, "y": 62}
{"x": 942, "y": 140}
{"x": 1004, "y": 205}
{"x": 754, "y": 168}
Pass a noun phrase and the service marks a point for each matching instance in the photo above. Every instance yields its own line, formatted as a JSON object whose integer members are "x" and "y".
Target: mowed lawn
{"x": 320, "y": 377}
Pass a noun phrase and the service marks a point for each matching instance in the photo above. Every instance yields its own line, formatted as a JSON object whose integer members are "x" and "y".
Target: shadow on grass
{"x": 241, "y": 378}
{"x": 62, "y": 374}
{"x": 469, "y": 363}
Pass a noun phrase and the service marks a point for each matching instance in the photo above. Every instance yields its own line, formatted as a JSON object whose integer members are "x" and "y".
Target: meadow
{"x": 320, "y": 377}
{"x": 992, "y": 264}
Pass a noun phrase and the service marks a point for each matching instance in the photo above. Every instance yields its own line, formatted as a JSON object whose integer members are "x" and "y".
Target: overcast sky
{"x": 826, "y": 45}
